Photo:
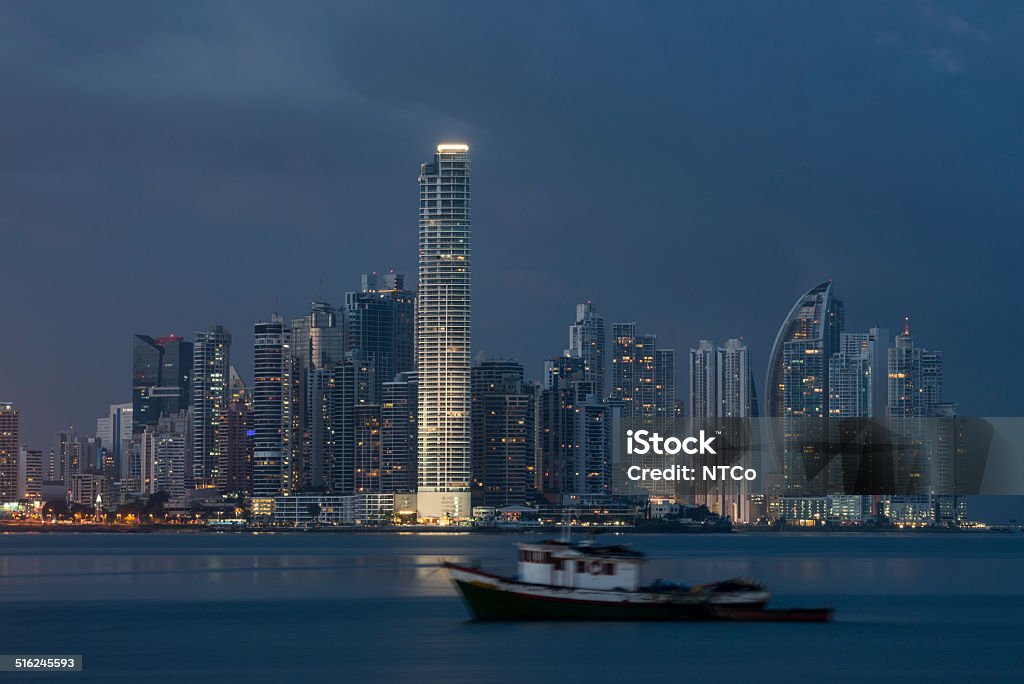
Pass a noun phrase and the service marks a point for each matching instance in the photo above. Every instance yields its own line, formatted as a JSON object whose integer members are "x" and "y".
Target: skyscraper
{"x": 161, "y": 378}
{"x": 274, "y": 394}
{"x": 572, "y": 434}
{"x": 234, "y": 470}
{"x": 734, "y": 381}
{"x": 562, "y": 369}
{"x": 797, "y": 389}
{"x": 857, "y": 393}
{"x": 721, "y": 390}
{"x": 664, "y": 384}
{"x": 703, "y": 401}
{"x": 643, "y": 377}
{"x": 586, "y": 341}
{"x": 169, "y": 455}
{"x": 10, "y": 451}
{"x": 398, "y": 434}
{"x": 115, "y": 432}
{"x": 211, "y": 378}
{"x": 380, "y": 321}
{"x": 318, "y": 342}
{"x": 915, "y": 394}
{"x": 30, "y": 473}
{"x": 348, "y": 387}
{"x": 443, "y": 335}
{"x": 503, "y": 433}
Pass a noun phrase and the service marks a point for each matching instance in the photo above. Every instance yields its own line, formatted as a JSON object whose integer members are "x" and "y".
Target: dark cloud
{"x": 693, "y": 168}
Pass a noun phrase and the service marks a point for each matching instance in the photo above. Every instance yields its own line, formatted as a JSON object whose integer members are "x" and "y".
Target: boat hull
{"x": 492, "y": 597}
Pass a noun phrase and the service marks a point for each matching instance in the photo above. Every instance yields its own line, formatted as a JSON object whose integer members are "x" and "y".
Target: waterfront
{"x": 368, "y": 607}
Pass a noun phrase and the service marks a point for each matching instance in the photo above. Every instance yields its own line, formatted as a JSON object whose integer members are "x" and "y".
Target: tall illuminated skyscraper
{"x": 10, "y": 448}
{"x": 443, "y": 335}
{"x": 797, "y": 389}
{"x": 211, "y": 377}
{"x": 273, "y": 418}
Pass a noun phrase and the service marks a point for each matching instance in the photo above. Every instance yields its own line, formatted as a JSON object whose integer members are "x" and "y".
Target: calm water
{"x": 368, "y": 608}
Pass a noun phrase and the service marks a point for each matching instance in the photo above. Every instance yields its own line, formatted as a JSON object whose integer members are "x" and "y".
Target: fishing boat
{"x": 565, "y": 580}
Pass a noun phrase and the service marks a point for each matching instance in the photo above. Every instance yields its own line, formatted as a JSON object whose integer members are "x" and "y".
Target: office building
{"x": 380, "y": 321}
{"x": 161, "y": 378}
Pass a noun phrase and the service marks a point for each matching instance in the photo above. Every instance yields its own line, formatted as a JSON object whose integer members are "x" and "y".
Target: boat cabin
{"x": 580, "y": 565}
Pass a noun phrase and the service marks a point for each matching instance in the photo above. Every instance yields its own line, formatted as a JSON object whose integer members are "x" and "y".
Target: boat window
{"x": 559, "y": 565}
{"x": 609, "y": 568}
{"x": 581, "y": 567}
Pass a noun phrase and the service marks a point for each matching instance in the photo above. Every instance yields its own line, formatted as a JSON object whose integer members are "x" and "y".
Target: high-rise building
{"x": 274, "y": 420}
{"x": 147, "y": 359}
{"x": 367, "y": 449}
{"x": 643, "y": 389}
{"x": 170, "y": 455}
{"x": 398, "y": 435}
{"x": 797, "y": 390}
{"x": 915, "y": 396}
{"x": 504, "y": 460}
{"x": 318, "y": 342}
{"x": 30, "y": 474}
{"x": 623, "y": 392}
{"x": 10, "y": 451}
{"x": 643, "y": 377}
{"x": 734, "y": 381}
{"x": 664, "y": 384}
{"x": 380, "y": 321}
{"x": 587, "y": 342}
{"x": 211, "y": 378}
{"x": 348, "y": 388}
{"x": 161, "y": 378}
{"x": 115, "y": 432}
{"x": 573, "y": 437}
{"x": 443, "y": 335}
{"x": 561, "y": 369}
{"x": 722, "y": 389}
{"x": 703, "y": 381}
{"x": 66, "y": 458}
{"x": 234, "y": 470}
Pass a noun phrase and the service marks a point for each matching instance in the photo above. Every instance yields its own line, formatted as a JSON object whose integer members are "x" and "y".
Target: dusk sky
{"x": 692, "y": 167}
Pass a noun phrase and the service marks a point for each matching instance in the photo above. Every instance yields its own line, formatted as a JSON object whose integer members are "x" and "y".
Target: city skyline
{"x": 313, "y": 419}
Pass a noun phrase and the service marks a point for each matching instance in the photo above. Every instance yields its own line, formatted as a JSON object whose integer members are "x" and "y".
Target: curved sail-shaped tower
{"x": 796, "y": 385}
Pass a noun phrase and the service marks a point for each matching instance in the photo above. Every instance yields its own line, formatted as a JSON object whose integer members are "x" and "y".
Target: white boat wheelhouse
{"x": 580, "y": 566}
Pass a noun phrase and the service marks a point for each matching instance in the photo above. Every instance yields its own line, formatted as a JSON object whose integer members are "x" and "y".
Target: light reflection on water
{"x": 246, "y": 566}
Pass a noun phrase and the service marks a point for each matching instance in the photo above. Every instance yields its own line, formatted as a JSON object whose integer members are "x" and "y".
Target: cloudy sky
{"x": 690, "y": 166}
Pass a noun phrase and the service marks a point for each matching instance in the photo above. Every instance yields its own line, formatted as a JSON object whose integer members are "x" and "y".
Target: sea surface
{"x": 298, "y": 607}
